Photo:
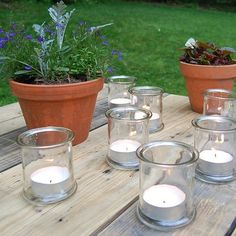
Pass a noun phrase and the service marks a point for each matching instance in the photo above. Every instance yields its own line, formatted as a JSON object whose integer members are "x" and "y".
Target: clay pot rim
{"x": 208, "y": 66}
{"x": 53, "y": 85}
{"x": 56, "y": 92}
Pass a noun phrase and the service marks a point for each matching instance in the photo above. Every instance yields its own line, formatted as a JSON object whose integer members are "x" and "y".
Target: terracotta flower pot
{"x": 66, "y": 105}
{"x": 198, "y": 78}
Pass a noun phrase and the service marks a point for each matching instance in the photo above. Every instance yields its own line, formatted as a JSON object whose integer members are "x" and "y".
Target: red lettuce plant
{"x": 202, "y": 53}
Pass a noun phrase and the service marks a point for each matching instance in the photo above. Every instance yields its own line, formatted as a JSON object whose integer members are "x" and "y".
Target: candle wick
{"x": 50, "y": 181}
{"x": 164, "y": 201}
{"x": 215, "y": 155}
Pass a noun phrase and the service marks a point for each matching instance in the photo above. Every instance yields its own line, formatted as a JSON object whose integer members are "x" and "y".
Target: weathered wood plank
{"x": 10, "y": 156}
{"x": 215, "y": 206}
{"x": 11, "y": 118}
{"x": 102, "y": 191}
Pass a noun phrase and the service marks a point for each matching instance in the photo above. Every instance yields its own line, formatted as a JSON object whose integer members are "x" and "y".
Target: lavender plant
{"x": 197, "y": 52}
{"x": 55, "y": 54}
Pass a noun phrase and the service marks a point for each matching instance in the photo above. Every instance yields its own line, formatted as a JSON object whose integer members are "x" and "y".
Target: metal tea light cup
{"x": 47, "y": 164}
{"x": 127, "y": 130}
{"x": 214, "y": 138}
{"x": 220, "y": 102}
{"x": 149, "y": 97}
{"x": 166, "y": 182}
{"x": 118, "y": 86}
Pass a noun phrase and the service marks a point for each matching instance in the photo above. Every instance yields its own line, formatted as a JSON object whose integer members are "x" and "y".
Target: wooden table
{"x": 106, "y": 198}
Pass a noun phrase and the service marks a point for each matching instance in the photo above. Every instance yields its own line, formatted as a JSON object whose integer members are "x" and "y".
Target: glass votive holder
{"x": 220, "y": 102}
{"x": 149, "y": 97}
{"x": 166, "y": 184}
{"x": 127, "y": 130}
{"x": 118, "y": 86}
{"x": 47, "y": 164}
{"x": 214, "y": 138}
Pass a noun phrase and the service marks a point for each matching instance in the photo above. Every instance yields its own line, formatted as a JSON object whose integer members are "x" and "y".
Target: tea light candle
{"x": 123, "y": 151}
{"x": 154, "y": 122}
{"x": 117, "y": 102}
{"x": 164, "y": 202}
{"x": 215, "y": 162}
{"x": 50, "y": 180}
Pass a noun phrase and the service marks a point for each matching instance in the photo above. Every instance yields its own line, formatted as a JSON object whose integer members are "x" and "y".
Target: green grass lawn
{"x": 147, "y": 34}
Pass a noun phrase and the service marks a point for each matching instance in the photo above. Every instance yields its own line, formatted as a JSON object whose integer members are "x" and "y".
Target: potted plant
{"x": 206, "y": 66}
{"x": 56, "y": 73}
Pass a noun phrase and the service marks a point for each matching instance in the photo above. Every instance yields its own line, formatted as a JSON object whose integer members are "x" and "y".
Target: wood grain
{"x": 11, "y": 118}
{"x": 215, "y": 206}
{"x": 104, "y": 193}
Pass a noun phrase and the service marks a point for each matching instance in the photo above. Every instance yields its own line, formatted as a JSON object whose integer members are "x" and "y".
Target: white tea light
{"x": 155, "y": 116}
{"x": 164, "y": 202}
{"x": 155, "y": 122}
{"x": 216, "y": 162}
{"x": 50, "y": 180}
{"x": 116, "y": 102}
{"x": 124, "y": 151}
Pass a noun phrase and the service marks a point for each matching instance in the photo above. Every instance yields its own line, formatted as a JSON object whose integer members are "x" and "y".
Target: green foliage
{"x": 54, "y": 54}
{"x": 148, "y": 34}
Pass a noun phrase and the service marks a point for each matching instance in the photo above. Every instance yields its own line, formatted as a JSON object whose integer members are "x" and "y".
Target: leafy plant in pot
{"x": 206, "y": 66}
{"x": 57, "y": 73}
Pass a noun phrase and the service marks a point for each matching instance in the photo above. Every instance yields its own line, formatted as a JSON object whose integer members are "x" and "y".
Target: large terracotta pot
{"x": 198, "y": 78}
{"x": 66, "y": 105}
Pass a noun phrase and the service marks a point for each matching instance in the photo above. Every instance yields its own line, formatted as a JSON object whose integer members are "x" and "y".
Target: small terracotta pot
{"x": 66, "y": 105}
{"x": 199, "y": 78}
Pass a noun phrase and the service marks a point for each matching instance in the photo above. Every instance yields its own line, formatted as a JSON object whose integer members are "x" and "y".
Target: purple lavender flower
{"x": 47, "y": 30}
{"x": 110, "y": 70}
{"x": 4, "y": 39}
{"x": 114, "y": 52}
{"x": 58, "y": 25}
{"x": 11, "y": 34}
{"x": 29, "y": 37}
{"x": 1, "y": 31}
{"x": 13, "y": 26}
{"x": 50, "y": 31}
{"x": 1, "y": 44}
{"x": 120, "y": 56}
{"x": 40, "y": 39}
{"x": 102, "y": 36}
{"x": 82, "y": 23}
{"x": 27, "y": 68}
{"x": 105, "y": 43}
{"x": 7, "y": 37}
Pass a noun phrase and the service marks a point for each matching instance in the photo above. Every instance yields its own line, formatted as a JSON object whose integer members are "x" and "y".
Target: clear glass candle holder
{"x": 166, "y": 184}
{"x": 127, "y": 130}
{"x": 149, "y": 97}
{"x": 220, "y": 102}
{"x": 47, "y": 164}
{"x": 118, "y": 86}
{"x": 214, "y": 138}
